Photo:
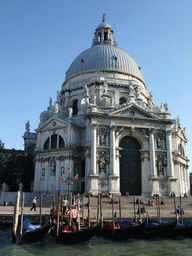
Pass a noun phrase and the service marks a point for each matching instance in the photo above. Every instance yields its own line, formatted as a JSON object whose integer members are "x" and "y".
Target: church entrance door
{"x": 130, "y": 166}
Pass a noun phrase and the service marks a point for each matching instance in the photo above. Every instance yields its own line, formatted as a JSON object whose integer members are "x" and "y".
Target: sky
{"x": 41, "y": 38}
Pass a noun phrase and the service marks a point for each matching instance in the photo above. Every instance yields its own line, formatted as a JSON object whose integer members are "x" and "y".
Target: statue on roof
{"x": 104, "y": 17}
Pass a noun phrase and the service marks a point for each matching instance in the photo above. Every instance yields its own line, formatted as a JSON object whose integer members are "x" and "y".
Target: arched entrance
{"x": 130, "y": 166}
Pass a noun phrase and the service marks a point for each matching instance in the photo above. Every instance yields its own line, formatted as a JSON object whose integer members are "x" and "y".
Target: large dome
{"x": 105, "y": 58}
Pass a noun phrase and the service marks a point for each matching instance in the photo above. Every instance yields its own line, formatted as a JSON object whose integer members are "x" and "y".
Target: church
{"x": 104, "y": 133}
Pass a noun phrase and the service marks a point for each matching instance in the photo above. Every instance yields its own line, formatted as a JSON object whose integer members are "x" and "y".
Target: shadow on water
{"x": 97, "y": 247}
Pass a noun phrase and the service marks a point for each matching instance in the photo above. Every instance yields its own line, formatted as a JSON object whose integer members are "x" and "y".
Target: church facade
{"x": 105, "y": 130}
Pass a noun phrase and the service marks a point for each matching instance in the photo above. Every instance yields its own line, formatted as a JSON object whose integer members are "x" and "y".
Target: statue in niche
{"x": 62, "y": 170}
{"x": 160, "y": 168}
{"x": 53, "y": 168}
{"x": 103, "y": 139}
{"x": 160, "y": 143}
{"x": 43, "y": 172}
{"x": 102, "y": 163}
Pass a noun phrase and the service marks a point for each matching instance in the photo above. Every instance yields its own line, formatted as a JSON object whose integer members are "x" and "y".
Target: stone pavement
{"x": 167, "y": 210}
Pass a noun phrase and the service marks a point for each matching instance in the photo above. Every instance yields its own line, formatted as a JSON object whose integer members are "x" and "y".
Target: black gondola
{"x": 123, "y": 232}
{"x": 75, "y": 236}
{"x": 154, "y": 229}
{"x": 36, "y": 235}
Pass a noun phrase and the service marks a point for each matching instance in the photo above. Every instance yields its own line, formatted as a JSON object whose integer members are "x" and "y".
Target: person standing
{"x": 65, "y": 205}
{"x": 74, "y": 214}
{"x": 34, "y": 204}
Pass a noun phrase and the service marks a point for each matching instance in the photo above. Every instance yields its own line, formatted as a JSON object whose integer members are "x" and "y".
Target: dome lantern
{"x": 103, "y": 34}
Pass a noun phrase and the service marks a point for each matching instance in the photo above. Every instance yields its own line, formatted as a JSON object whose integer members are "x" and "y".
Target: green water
{"x": 97, "y": 246}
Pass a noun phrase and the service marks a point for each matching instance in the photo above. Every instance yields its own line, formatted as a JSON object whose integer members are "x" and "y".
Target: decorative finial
{"x": 104, "y": 17}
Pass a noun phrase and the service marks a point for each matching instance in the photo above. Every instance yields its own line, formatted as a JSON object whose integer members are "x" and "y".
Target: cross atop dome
{"x": 104, "y": 34}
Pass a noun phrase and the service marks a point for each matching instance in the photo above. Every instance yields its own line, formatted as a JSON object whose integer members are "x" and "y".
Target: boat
{"x": 154, "y": 229}
{"x": 121, "y": 232}
{"x": 68, "y": 235}
{"x": 33, "y": 233}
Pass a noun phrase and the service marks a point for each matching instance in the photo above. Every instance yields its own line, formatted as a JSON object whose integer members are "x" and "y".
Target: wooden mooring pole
{"x": 98, "y": 208}
{"x": 89, "y": 211}
{"x": 181, "y": 212}
{"x": 15, "y": 218}
{"x": 135, "y": 214}
{"x": 58, "y": 215}
{"x": 40, "y": 210}
{"x": 119, "y": 208}
{"x": 78, "y": 217}
{"x": 22, "y": 211}
{"x": 113, "y": 217}
{"x": 82, "y": 209}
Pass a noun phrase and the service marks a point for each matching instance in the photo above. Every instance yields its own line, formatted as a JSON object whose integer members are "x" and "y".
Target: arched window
{"x": 61, "y": 142}
{"x": 75, "y": 109}
{"x": 46, "y": 145}
{"x": 122, "y": 101}
{"x": 56, "y": 142}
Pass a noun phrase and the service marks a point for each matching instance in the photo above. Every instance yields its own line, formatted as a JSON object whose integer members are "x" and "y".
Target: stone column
{"x": 93, "y": 148}
{"x": 58, "y": 173}
{"x": 154, "y": 177}
{"x": 145, "y": 173}
{"x": 169, "y": 155}
{"x": 170, "y": 170}
{"x": 93, "y": 176}
{"x": 152, "y": 154}
{"x": 112, "y": 151}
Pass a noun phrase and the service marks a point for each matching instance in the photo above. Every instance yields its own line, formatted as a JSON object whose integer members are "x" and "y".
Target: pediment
{"x": 132, "y": 111}
{"x": 53, "y": 123}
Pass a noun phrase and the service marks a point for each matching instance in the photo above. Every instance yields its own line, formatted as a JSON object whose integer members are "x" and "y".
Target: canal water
{"x": 97, "y": 246}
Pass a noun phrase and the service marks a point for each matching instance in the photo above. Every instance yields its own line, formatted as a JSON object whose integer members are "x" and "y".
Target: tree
{"x": 2, "y": 144}
{"x": 16, "y": 168}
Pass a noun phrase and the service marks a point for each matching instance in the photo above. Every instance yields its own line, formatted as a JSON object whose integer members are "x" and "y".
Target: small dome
{"x": 104, "y": 25}
{"x": 104, "y": 58}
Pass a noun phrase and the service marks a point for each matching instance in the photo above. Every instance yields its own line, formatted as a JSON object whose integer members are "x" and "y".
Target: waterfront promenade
{"x": 127, "y": 208}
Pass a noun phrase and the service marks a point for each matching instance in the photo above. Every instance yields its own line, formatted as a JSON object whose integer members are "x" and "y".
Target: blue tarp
{"x": 28, "y": 226}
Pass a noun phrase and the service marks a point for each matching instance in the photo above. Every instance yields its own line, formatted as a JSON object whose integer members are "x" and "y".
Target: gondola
{"x": 123, "y": 232}
{"x": 72, "y": 235}
{"x": 154, "y": 229}
{"x": 35, "y": 235}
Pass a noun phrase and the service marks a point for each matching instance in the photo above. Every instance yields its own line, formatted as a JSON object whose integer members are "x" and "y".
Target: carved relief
{"x": 53, "y": 168}
{"x": 163, "y": 184}
{"x": 103, "y": 183}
